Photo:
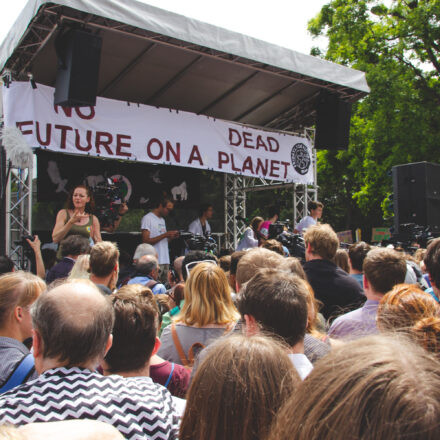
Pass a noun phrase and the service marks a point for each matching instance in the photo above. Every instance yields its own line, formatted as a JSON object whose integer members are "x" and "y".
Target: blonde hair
{"x": 207, "y": 297}
{"x": 18, "y": 289}
{"x": 323, "y": 240}
{"x": 80, "y": 269}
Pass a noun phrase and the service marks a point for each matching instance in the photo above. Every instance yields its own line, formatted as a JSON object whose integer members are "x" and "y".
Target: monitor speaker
{"x": 332, "y": 122}
{"x": 79, "y": 55}
{"x": 416, "y": 199}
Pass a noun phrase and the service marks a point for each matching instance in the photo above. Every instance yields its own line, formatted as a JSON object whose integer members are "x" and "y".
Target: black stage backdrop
{"x": 140, "y": 183}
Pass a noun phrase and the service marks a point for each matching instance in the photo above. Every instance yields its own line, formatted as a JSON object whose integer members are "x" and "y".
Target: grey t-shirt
{"x": 187, "y": 336}
{"x": 12, "y": 353}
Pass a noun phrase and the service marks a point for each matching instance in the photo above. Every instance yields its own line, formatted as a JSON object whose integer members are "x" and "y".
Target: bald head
{"x": 74, "y": 321}
{"x": 146, "y": 265}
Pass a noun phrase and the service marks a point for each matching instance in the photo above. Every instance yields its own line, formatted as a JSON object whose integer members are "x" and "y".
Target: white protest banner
{"x": 118, "y": 130}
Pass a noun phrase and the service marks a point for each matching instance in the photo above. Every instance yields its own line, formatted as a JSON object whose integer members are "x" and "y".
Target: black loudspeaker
{"x": 79, "y": 55}
{"x": 332, "y": 122}
{"x": 416, "y": 200}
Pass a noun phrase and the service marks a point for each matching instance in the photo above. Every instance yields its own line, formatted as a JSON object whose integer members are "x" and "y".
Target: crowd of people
{"x": 253, "y": 344}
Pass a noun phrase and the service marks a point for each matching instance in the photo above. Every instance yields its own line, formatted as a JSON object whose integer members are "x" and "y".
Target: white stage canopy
{"x": 155, "y": 57}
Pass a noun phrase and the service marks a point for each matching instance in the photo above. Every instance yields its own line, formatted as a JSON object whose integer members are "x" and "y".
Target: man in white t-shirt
{"x": 315, "y": 209}
{"x": 154, "y": 232}
{"x": 200, "y": 225}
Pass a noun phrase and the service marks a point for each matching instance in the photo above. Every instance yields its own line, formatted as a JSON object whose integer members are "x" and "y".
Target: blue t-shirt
{"x": 158, "y": 288}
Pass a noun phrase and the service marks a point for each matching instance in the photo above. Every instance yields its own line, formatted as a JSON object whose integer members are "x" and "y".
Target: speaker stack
{"x": 417, "y": 195}
{"x": 79, "y": 55}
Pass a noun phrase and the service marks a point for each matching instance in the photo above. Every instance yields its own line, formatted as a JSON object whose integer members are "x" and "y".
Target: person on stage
{"x": 200, "y": 225}
{"x": 274, "y": 215}
{"x": 77, "y": 217}
{"x": 315, "y": 209}
{"x": 250, "y": 238}
{"x": 154, "y": 232}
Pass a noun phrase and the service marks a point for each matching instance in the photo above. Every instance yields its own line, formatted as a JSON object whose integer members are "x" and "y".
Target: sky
{"x": 282, "y": 22}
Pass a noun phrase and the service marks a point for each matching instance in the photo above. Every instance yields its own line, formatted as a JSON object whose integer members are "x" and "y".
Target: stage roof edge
{"x": 177, "y": 26}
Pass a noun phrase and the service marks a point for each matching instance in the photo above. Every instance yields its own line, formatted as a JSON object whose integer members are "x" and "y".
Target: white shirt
{"x": 156, "y": 225}
{"x": 248, "y": 240}
{"x": 196, "y": 227}
{"x": 305, "y": 223}
{"x": 301, "y": 364}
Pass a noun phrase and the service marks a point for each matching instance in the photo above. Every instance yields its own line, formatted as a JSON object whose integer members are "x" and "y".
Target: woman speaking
{"x": 77, "y": 218}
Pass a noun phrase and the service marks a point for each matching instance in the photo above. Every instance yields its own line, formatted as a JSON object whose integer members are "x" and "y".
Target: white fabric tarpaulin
{"x": 118, "y": 130}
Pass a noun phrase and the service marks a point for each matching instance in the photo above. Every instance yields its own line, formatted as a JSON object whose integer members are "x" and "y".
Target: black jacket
{"x": 335, "y": 288}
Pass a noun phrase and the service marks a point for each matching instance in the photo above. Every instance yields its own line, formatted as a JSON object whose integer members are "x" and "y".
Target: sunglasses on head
{"x": 190, "y": 266}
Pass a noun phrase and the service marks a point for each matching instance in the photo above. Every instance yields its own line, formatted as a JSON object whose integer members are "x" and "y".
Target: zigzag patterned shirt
{"x": 137, "y": 407}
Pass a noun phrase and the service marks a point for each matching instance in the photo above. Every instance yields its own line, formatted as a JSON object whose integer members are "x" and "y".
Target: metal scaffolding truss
{"x": 19, "y": 214}
{"x": 236, "y": 188}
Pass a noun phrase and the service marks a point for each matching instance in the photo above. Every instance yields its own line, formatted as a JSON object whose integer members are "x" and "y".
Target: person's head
{"x": 164, "y": 207}
{"x": 237, "y": 389}
{"x": 191, "y": 260}
{"x": 410, "y": 310}
{"x": 72, "y": 326}
{"x": 225, "y": 262}
{"x": 143, "y": 249}
{"x": 276, "y": 302}
{"x": 175, "y": 273}
{"x": 321, "y": 241}
{"x": 255, "y": 259}
{"x": 18, "y": 291}
{"x": 148, "y": 266}
{"x": 80, "y": 269}
{"x": 75, "y": 245}
{"x": 419, "y": 255}
{"x": 382, "y": 388}
{"x": 273, "y": 245}
{"x": 207, "y": 297}
{"x": 341, "y": 260}
{"x": 104, "y": 259}
{"x": 206, "y": 210}
{"x": 315, "y": 209}
{"x": 124, "y": 259}
{"x": 256, "y": 222}
{"x": 293, "y": 265}
{"x": 383, "y": 268}
{"x": 357, "y": 253}
{"x": 432, "y": 262}
{"x": 134, "y": 330}
{"x": 81, "y": 197}
{"x": 273, "y": 211}
{"x": 6, "y": 264}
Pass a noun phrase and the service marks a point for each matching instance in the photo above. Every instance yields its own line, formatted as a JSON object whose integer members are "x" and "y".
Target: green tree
{"x": 398, "y": 122}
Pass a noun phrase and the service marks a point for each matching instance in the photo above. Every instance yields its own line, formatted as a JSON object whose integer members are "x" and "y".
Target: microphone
{"x": 242, "y": 219}
{"x": 18, "y": 152}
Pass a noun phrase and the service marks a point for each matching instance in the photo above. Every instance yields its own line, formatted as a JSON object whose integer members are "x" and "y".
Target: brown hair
{"x": 73, "y": 336}
{"x": 293, "y": 265}
{"x": 255, "y": 223}
{"x": 341, "y": 260}
{"x": 238, "y": 389}
{"x": 382, "y": 388}
{"x": 104, "y": 257}
{"x": 432, "y": 261}
{"x": 255, "y": 259}
{"x": 273, "y": 245}
{"x": 207, "y": 297}
{"x": 314, "y": 205}
{"x": 384, "y": 268}
{"x": 357, "y": 253}
{"x": 225, "y": 262}
{"x": 235, "y": 259}
{"x": 323, "y": 240}
{"x": 90, "y": 206}
{"x": 411, "y": 310}
{"x": 18, "y": 289}
{"x": 278, "y": 302}
{"x": 135, "y": 328}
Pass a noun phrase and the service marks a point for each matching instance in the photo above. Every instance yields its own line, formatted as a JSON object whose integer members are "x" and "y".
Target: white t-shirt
{"x": 156, "y": 225}
{"x": 301, "y": 364}
{"x": 196, "y": 227}
{"x": 305, "y": 223}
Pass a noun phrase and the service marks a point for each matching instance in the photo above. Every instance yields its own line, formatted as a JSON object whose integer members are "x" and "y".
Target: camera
{"x": 293, "y": 242}
{"x": 196, "y": 242}
{"x": 106, "y": 195}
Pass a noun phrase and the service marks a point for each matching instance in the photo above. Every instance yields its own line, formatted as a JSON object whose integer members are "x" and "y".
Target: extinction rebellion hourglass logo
{"x": 300, "y": 158}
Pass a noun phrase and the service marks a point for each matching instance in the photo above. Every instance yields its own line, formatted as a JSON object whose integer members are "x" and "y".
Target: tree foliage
{"x": 397, "y": 44}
